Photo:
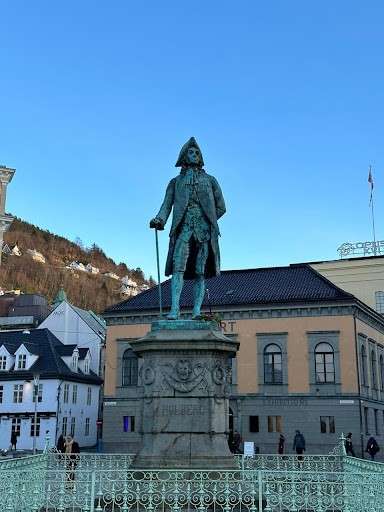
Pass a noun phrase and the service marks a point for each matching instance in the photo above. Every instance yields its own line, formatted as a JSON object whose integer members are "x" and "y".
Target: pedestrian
{"x": 13, "y": 440}
{"x": 280, "y": 449}
{"x": 372, "y": 447}
{"x": 348, "y": 445}
{"x": 230, "y": 441}
{"x": 236, "y": 442}
{"x": 299, "y": 445}
{"x": 71, "y": 450}
{"x": 60, "y": 445}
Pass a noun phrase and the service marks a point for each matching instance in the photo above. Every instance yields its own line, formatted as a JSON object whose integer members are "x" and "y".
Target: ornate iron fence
{"x": 267, "y": 483}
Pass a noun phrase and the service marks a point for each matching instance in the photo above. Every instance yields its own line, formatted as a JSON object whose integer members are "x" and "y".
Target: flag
{"x": 370, "y": 181}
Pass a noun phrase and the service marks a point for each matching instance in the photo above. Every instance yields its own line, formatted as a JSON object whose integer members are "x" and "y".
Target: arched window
{"x": 381, "y": 364}
{"x": 373, "y": 369}
{"x": 324, "y": 363}
{"x": 129, "y": 368}
{"x": 363, "y": 366}
{"x": 273, "y": 371}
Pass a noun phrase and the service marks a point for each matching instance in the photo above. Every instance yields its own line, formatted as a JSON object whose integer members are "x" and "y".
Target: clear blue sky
{"x": 286, "y": 99}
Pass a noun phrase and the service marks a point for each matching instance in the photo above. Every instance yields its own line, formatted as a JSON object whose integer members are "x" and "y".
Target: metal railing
{"x": 54, "y": 482}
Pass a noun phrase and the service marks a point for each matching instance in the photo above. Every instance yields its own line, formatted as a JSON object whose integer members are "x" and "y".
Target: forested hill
{"x": 84, "y": 289}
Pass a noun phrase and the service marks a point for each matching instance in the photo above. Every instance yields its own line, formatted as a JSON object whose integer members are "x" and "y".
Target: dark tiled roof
{"x": 48, "y": 348}
{"x": 276, "y": 285}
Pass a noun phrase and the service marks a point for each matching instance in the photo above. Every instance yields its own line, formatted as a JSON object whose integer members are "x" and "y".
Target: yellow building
{"x": 363, "y": 277}
{"x": 311, "y": 358}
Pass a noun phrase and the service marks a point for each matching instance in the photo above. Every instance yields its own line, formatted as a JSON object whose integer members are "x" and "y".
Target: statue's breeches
{"x": 184, "y": 242}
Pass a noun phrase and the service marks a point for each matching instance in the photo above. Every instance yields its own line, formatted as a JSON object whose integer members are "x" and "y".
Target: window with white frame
{"x": 324, "y": 363}
{"x": 22, "y": 361}
{"x": 16, "y": 425}
{"x": 89, "y": 395}
{"x": 75, "y": 360}
{"x": 66, "y": 393}
{"x": 74, "y": 394}
{"x": 86, "y": 365}
{"x": 379, "y": 299}
{"x": 86, "y": 427}
{"x": 18, "y": 393}
{"x": 64, "y": 426}
{"x": 39, "y": 390}
{"x": 33, "y": 431}
{"x": 3, "y": 362}
{"x": 73, "y": 426}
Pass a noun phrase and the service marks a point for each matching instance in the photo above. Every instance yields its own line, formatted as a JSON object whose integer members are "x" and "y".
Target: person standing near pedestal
{"x": 197, "y": 203}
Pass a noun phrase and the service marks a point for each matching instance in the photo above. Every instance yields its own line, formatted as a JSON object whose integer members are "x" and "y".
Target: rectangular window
{"x": 327, "y": 424}
{"x": 275, "y": 424}
{"x": 33, "y": 427}
{"x": 3, "y": 362}
{"x": 129, "y": 423}
{"x": 366, "y": 425}
{"x": 254, "y": 424}
{"x": 66, "y": 393}
{"x": 16, "y": 424}
{"x": 73, "y": 426}
{"x": 22, "y": 361}
{"x": 39, "y": 390}
{"x": 87, "y": 426}
{"x": 64, "y": 426}
{"x": 376, "y": 412}
{"x": 89, "y": 396}
{"x": 74, "y": 393}
{"x": 18, "y": 393}
{"x": 1, "y": 394}
{"x": 379, "y": 296}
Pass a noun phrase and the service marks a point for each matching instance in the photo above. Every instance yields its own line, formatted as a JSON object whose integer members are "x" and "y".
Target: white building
{"x": 15, "y": 250}
{"x": 111, "y": 275}
{"x": 92, "y": 270}
{"x": 67, "y": 390}
{"x": 36, "y": 255}
{"x": 76, "y": 326}
{"x": 128, "y": 286}
{"x": 75, "y": 265}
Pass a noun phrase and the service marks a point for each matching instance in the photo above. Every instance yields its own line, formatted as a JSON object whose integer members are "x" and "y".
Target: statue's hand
{"x": 157, "y": 223}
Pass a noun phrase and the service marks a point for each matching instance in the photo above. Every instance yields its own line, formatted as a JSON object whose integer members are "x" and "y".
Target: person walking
{"x": 60, "y": 445}
{"x": 280, "y": 449}
{"x": 372, "y": 447}
{"x": 299, "y": 445}
{"x": 71, "y": 450}
{"x": 349, "y": 445}
{"x": 13, "y": 440}
{"x": 237, "y": 442}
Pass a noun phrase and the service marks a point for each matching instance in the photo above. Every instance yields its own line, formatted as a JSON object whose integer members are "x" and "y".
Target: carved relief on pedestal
{"x": 183, "y": 376}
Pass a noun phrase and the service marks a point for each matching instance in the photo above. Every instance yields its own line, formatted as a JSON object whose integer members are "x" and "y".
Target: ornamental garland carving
{"x": 183, "y": 376}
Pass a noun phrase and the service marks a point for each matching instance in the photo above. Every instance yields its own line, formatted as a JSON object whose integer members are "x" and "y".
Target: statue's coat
{"x": 212, "y": 203}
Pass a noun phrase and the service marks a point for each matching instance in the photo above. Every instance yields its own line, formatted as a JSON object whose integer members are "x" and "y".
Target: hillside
{"x": 84, "y": 289}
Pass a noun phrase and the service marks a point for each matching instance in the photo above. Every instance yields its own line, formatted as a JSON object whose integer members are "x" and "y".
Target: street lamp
{"x": 36, "y": 379}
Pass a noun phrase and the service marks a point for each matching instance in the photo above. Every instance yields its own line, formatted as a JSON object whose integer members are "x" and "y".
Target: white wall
{"x": 80, "y": 410}
{"x": 27, "y": 407}
{"x": 70, "y": 329}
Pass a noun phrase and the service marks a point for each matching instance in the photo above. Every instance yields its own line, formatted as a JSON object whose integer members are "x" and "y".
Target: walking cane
{"x": 158, "y": 273}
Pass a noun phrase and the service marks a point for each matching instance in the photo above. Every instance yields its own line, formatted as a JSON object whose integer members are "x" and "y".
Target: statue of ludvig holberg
{"x": 197, "y": 203}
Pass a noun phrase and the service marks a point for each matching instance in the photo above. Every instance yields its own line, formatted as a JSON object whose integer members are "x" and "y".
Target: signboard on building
{"x": 249, "y": 448}
{"x": 348, "y": 249}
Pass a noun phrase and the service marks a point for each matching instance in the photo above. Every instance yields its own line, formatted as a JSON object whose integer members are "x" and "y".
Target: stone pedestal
{"x": 185, "y": 376}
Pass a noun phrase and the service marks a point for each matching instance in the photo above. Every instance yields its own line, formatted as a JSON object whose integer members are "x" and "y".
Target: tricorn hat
{"x": 181, "y": 161}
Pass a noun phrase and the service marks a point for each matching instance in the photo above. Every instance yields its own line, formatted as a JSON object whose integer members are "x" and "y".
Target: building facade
{"x": 43, "y": 379}
{"x": 311, "y": 358}
{"x": 361, "y": 276}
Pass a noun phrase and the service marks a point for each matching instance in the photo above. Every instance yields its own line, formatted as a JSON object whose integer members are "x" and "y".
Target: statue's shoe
{"x": 173, "y": 315}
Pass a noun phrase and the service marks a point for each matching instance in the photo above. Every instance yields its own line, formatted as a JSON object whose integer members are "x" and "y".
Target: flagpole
{"x": 372, "y": 211}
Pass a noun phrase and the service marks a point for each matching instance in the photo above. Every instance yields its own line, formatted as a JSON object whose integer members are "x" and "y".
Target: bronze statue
{"x": 197, "y": 204}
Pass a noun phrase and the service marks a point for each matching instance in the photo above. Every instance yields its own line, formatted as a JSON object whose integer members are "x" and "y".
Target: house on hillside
{"x": 144, "y": 287}
{"x": 128, "y": 287}
{"x": 37, "y": 370}
{"x": 75, "y": 265}
{"x": 92, "y": 270}
{"x": 36, "y": 256}
{"x": 15, "y": 251}
{"x": 111, "y": 275}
